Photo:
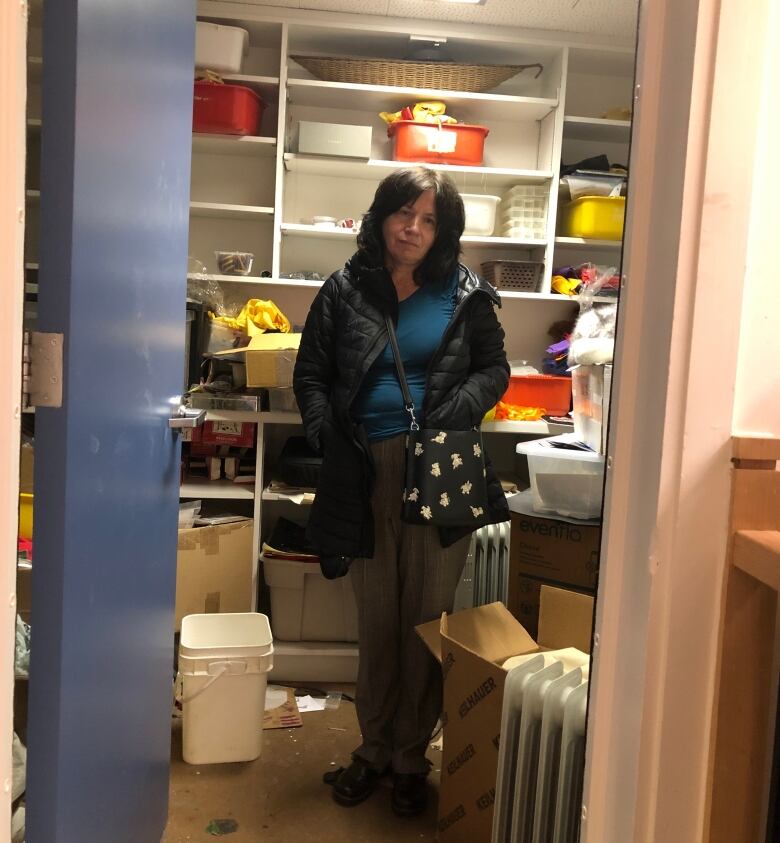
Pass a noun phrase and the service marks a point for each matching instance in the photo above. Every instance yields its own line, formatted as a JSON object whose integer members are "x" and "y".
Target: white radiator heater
{"x": 541, "y": 759}
{"x": 486, "y": 573}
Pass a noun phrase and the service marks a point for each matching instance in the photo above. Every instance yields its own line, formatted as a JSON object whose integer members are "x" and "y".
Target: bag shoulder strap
{"x": 399, "y": 367}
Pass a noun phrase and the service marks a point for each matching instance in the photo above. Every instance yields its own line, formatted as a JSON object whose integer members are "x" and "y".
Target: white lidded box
{"x": 480, "y": 213}
{"x": 220, "y": 48}
{"x": 224, "y": 661}
{"x": 334, "y": 139}
{"x": 566, "y": 482}
{"x": 307, "y": 607}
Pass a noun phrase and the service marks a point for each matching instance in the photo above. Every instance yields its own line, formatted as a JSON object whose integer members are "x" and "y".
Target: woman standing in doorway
{"x": 348, "y": 391}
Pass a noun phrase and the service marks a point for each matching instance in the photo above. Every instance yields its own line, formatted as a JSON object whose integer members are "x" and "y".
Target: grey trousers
{"x": 410, "y": 580}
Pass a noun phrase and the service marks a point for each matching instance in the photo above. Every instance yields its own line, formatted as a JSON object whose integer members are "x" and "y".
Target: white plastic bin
{"x": 220, "y": 48}
{"x": 224, "y": 661}
{"x": 307, "y": 607}
{"x": 480, "y": 213}
{"x": 569, "y": 483}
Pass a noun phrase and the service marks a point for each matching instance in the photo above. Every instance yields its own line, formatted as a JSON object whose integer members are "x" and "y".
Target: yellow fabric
{"x": 257, "y": 317}
{"x": 565, "y": 286}
{"x": 512, "y": 412}
{"x": 422, "y": 112}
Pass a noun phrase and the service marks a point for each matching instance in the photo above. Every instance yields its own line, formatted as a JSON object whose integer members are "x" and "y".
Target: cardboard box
{"x": 554, "y": 551}
{"x": 270, "y": 359}
{"x": 214, "y": 569}
{"x": 334, "y": 139}
{"x": 472, "y": 646}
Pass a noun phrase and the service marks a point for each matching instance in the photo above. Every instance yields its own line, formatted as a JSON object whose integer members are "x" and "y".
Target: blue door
{"x": 117, "y": 110}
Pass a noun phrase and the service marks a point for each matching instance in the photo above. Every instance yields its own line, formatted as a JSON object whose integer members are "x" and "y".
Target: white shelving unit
{"x": 217, "y": 490}
{"x": 258, "y": 194}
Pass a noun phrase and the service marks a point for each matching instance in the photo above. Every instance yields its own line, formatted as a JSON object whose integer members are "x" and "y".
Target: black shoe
{"x": 410, "y": 794}
{"x": 354, "y": 784}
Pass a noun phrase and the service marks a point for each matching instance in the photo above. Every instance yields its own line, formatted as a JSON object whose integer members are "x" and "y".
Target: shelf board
{"x": 266, "y": 86}
{"x": 313, "y": 92}
{"x": 33, "y": 267}
{"x": 503, "y": 242}
{"x": 296, "y": 230}
{"x": 580, "y": 243}
{"x": 374, "y": 170}
{"x": 554, "y": 298}
{"x": 226, "y": 211}
{"x": 515, "y": 427}
{"x": 32, "y": 195}
{"x": 234, "y": 145}
{"x": 216, "y": 489}
{"x": 253, "y": 280}
{"x": 597, "y": 129}
{"x": 346, "y": 234}
{"x": 34, "y": 124}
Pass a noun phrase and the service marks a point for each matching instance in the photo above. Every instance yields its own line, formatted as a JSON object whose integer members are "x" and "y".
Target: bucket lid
{"x": 546, "y": 448}
{"x": 225, "y": 634}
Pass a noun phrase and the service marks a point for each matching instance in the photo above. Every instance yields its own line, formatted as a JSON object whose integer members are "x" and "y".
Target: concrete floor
{"x": 281, "y": 797}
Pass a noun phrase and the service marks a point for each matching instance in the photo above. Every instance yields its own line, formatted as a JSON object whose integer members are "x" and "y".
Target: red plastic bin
{"x": 226, "y": 109}
{"x": 551, "y": 392}
{"x": 431, "y": 143}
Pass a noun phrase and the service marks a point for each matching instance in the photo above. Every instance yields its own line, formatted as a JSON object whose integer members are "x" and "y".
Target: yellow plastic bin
{"x": 595, "y": 218}
{"x": 25, "y": 516}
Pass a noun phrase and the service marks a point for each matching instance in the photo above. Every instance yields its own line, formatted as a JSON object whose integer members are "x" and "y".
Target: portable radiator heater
{"x": 541, "y": 759}
{"x": 486, "y": 572}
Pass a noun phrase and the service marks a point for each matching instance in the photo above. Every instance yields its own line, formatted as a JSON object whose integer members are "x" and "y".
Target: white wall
{"x": 757, "y": 398}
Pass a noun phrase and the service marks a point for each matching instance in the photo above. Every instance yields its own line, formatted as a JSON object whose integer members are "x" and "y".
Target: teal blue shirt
{"x": 422, "y": 319}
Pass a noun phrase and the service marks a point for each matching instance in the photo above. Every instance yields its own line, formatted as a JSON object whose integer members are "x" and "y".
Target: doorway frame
{"x": 13, "y": 141}
{"x": 704, "y": 108}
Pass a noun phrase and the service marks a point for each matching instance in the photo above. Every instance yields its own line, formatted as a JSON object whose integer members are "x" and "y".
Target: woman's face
{"x": 409, "y": 232}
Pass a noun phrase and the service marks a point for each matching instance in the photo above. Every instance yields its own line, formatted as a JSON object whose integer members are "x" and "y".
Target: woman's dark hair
{"x": 401, "y": 188}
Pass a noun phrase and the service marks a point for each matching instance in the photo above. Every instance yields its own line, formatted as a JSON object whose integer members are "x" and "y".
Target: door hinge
{"x": 42, "y": 370}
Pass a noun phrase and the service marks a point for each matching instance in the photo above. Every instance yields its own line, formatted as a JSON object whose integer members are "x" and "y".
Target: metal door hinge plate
{"x": 42, "y": 370}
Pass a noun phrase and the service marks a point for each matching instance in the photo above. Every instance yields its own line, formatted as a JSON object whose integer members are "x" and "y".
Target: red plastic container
{"x": 226, "y": 109}
{"x": 551, "y": 392}
{"x": 430, "y": 143}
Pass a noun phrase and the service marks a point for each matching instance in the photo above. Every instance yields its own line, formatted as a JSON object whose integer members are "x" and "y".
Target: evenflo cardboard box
{"x": 472, "y": 646}
{"x": 214, "y": 569}
{"x": 548, "y": 550}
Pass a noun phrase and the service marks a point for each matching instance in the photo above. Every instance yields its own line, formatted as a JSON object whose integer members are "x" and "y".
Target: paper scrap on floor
{"x": 308, "y": 703}
{"x": 281, "y": 708}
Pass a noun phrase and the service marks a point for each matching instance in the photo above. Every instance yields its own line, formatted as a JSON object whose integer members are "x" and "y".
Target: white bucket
{"x": 224, "y": 661}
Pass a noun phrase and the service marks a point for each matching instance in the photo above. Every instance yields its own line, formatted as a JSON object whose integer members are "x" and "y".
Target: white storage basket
{"x": 220, "y": 48}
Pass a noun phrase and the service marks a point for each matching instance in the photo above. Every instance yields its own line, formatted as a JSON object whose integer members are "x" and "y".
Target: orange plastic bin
{"x": 551, "y": 392}
{"x": 431, "y": 143}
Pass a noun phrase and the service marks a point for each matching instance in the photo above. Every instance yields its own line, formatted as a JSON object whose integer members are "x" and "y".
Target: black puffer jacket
{"x": 345, "y": 332}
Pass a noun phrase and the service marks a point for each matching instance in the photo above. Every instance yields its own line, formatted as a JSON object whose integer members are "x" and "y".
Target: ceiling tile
{"x": 605, "y": 17}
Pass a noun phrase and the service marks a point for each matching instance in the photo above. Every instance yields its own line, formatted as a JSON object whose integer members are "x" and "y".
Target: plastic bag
{"x": 202, "y": 289}
{"x": 593, "y": 339}
{"x": 22, "y": 651}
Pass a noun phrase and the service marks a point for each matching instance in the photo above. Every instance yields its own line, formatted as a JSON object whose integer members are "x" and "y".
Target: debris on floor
{"x": 219, "y": 827}
{"x": 281, "y": 709}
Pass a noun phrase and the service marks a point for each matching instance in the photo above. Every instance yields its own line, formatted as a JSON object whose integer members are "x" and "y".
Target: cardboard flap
{"x": 431, "y": 635}
{"x": 491, "y": 632}
{"x": 265, "y": 342}
{"x": 565, "y": 619}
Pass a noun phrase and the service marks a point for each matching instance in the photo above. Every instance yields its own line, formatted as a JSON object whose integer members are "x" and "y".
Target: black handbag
{"x": 445, "y": 483}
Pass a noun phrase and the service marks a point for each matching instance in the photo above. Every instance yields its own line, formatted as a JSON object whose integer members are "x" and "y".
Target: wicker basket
{"x": 525, "y": 276}
{"x": 442, "y": 76}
